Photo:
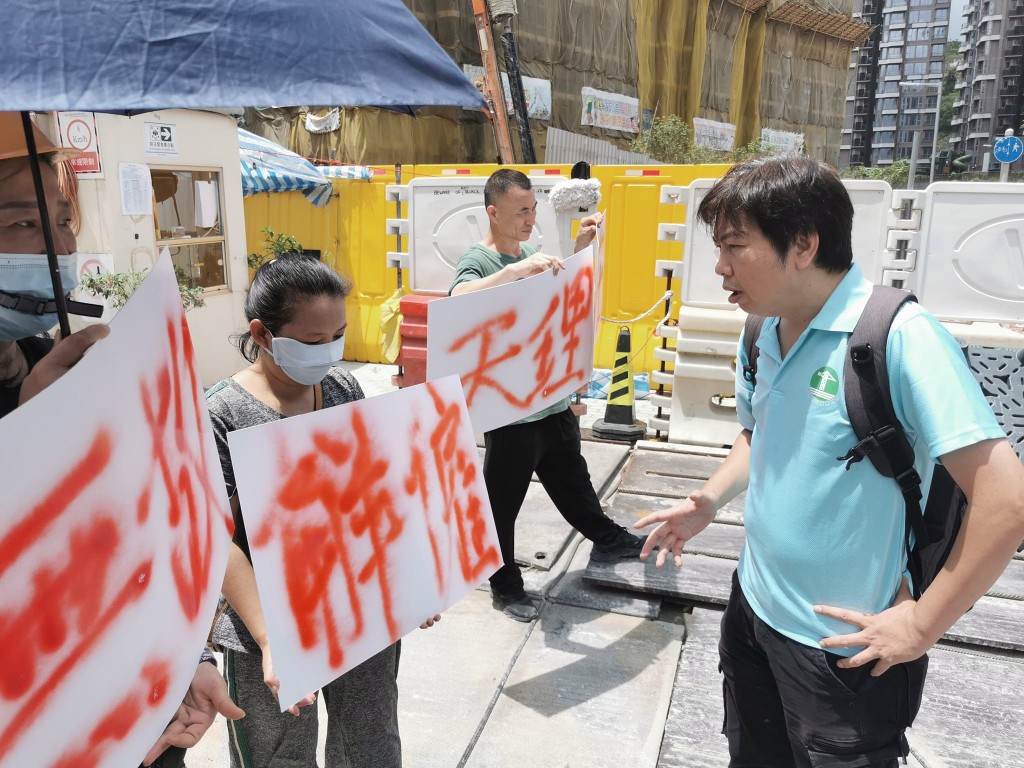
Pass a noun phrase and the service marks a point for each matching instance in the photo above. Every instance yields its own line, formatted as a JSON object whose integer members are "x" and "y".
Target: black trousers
{"x": 551, "y": 448}
{"x": 173, "y": 757}
{"x": 788, "y": 704}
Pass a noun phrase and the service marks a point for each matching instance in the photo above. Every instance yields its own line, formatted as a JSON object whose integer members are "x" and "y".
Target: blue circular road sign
{"x": 1008, "y": 149}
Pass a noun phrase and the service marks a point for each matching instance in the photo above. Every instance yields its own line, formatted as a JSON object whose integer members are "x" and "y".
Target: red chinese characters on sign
{"x": 90, "y": 551}
{"x": 174, "y": 414}
{"x": 460, "y": 531}
{"x": 551, "y": 348}
{"x": 334, "y": 495}
{"x": 363, "y": 516}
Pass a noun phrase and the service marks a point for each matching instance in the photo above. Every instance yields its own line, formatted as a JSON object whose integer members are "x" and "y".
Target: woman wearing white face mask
{"x": 296, "y": 313}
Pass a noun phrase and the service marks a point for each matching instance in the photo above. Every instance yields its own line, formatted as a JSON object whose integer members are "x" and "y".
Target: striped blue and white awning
{"x": 347, "y": 171}
{"x": 269, "y": 167}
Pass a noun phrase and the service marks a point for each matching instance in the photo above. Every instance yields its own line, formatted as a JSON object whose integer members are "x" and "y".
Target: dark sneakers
{"x": 515, "y": 605}
{"x": 624, "y": 546}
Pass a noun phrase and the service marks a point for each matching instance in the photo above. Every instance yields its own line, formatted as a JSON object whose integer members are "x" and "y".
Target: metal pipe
{"x": 493, "y": 91}
{"x": 915, "y": 150}
{"x": 515, "y": 82}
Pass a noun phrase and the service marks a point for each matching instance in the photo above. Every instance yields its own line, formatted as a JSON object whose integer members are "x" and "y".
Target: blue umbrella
{"x": 141, "y": 55}
{"x": 131, "y": 56}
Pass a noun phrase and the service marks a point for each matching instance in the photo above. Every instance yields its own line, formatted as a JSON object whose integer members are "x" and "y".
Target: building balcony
{"x": 997, "y": 17}
{"x": 980, "y": 116}
{"x": 983, "y": 78}
{"x": 979, "y": 135}
{"x": 956, "y": 121}
{"x": 989, "y": 38}
{"x": 958, "y": 104}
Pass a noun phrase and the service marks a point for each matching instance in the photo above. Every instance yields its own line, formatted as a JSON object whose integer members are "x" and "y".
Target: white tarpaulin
{"x": 713, "y": 134}
{"x": 610, "y": 110}
{"x": 536, "y": 92}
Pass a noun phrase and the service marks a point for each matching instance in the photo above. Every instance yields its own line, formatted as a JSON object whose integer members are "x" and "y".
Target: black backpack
{"x": 881, "y": 436}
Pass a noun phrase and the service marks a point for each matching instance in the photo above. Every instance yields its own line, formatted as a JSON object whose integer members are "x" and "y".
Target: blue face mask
{"x": 306, "y": 363}
{"x": 25, "y": 283}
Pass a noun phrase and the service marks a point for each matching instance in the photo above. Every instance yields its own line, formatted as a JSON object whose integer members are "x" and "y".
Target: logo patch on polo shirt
{"x": 824, "y": 385}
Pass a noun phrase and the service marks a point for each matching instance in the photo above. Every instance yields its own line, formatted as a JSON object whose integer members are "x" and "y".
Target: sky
{"x": 956, "y": 18}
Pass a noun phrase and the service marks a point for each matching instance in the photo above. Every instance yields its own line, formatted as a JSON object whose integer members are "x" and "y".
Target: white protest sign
{"x": 113, "y": 544}
{"x": 518, "y": 347}
{"x": 364, "y": 520}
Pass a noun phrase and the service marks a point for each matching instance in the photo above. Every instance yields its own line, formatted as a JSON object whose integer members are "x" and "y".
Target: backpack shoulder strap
{"x": 866, "y": 387}
{"x": 882, "y": 438}
{"x": 751, "y": 332}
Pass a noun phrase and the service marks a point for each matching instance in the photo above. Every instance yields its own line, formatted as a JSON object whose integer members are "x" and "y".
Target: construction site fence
{"x": 350, "y": 235}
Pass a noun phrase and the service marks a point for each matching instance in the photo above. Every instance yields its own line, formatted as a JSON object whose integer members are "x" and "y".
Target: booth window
{"x": 187, "y": 215}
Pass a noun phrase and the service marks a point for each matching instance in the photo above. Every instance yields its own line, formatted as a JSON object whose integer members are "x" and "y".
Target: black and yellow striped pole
{"x": 618, "y": 422}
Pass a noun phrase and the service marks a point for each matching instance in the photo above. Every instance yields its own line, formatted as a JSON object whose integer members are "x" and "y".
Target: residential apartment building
{"x": 989, "y": 86}
{"x": 907, "y": 43}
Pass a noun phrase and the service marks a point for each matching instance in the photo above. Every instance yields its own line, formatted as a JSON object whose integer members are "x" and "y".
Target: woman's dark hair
{"x": 786, "y": 197}
{"x": 280, "y": 286}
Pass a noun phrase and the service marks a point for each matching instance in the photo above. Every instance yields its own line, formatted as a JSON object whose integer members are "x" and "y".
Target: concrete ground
{"x": 607, "y": 678}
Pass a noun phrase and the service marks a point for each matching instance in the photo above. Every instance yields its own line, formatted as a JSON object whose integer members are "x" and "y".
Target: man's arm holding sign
{"x": 528, "y": 267}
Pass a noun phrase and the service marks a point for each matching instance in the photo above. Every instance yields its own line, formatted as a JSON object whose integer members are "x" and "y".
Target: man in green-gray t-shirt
{"x": 547, "y": 442}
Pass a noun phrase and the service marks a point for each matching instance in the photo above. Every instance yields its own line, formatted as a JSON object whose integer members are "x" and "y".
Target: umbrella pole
{"x": 51, "y": 251}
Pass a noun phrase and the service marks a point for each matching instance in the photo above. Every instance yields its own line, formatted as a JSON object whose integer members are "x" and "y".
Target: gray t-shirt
{"x": 232, "y": 407}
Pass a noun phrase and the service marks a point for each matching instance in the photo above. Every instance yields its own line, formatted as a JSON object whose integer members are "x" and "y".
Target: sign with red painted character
{"x": 519, "y": 347}
{"x": 113, "y": 541}
{"x": 364, "y": 520}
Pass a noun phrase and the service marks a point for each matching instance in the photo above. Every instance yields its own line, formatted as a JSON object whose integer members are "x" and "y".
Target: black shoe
{"x": 625, "y": 546}
{"x": 515, "y": 605}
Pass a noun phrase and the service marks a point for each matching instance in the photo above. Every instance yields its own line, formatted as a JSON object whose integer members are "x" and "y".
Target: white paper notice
{"x": 518, "y": 347}
{"x": 364, "y": 520}
{"x": 113, "y": 541}
{"x": 136, "y": 189}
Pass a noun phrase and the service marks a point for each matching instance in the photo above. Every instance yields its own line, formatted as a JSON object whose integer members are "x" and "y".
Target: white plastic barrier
{"x": 956, "y": 245}
{"x": 446, "y": 216}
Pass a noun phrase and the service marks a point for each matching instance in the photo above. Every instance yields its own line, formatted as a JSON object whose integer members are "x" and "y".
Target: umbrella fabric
{"x": 269, "y": 167}
{"x": 140, "y": 55}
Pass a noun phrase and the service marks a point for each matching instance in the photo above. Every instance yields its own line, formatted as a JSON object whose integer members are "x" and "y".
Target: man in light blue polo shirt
{"x": 824, "y": 565}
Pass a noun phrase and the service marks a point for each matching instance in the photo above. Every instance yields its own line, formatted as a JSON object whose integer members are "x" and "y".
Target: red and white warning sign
{"x": 78, "y": 131}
